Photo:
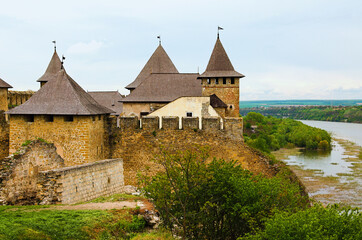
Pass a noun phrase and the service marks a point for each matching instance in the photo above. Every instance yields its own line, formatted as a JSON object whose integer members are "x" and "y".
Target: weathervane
{"x": 63, "y": 58}
{"x": 218, "y": 29}
{"x": 159, "y": 39}
{"x": 55, "y": 45}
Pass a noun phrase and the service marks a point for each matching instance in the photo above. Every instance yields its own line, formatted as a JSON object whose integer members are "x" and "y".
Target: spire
{"x": 53, "y": 68}
{"x": 159, "y": 62}
{"x": 219, "y": 64}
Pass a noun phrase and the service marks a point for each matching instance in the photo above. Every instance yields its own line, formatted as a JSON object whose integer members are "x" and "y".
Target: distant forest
{"x": 321, "y": 113}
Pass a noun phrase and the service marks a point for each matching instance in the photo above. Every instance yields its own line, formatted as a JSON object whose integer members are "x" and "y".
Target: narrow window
{"x": 49, "y": 118}
{"x": 224, "y": 81}
{"x": 93, "y": 118}
{"x": 216, "y": 81}
{"x": 189, "y": 114}
{"x": 68, "y": 118}
{"x": 232, "y": 80}
{"x": 208, "y": 81}
{"x": 29, "y": 118}
{"x": 99, "y": 117}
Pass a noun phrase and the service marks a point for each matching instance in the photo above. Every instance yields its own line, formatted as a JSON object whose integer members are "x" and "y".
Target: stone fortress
{"x": 67, "y": 145}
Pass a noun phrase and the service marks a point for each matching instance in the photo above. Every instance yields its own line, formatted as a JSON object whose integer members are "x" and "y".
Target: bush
{"x": 317, "y": 222}
{"x": 219, "y": 200}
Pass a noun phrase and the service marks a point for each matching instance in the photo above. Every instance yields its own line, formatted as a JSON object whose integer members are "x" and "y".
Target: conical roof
{"x": 220, "y": 64}
{"x": 159, "y": 62}
{"x": 53, "y": 68}
{"x": 4, "y": 84}
{"x": 62, "y": 96}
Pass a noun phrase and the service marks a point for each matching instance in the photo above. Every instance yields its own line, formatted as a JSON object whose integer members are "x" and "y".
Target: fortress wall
{"x": 36, "y": 175}
{"x": 150, "y": 123}
{"x": 170, "y": 123}
{"x": 234, "y": 126}
{"x": 18, "y": 179}
{"x": 137, "y": 147}
{"x": 210, "y": 123}
{"x": 16, "y": 98}
{"x": 81, "y": 183}
{"x": 190, "y": 123}
{"x": 4, "y": 136}
{"x": 128, "y": 122}
{"x": 78, "y": 142}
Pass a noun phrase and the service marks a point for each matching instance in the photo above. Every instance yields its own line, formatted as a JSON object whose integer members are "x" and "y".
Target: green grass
{"x": 30, "y": 222}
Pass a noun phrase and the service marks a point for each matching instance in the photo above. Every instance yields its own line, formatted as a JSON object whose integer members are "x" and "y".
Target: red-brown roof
{"x": 61, "y": 96}
{"x": 219, "y": 64}
{"x": 53, "y": 68}
{"x": 4, "y": 84}
{"x": 159, "y": 62}
{"x": 166, "y": 87}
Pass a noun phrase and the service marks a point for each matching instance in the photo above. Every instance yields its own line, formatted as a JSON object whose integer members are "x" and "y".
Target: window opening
{"x": 189, "y": 114}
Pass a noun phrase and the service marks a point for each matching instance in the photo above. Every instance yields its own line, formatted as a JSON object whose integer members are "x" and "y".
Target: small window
{"x": 68, "y": 118}
{"x": 99, "y": 117}
{"x": 189, "y": 114}
{"x": 224, "y": 81}
{"x": 208, "y": 81}
{"x": 29, "y": 118}
{"x": 232, "y": 80}
{"x": 49, "y": 118}
{"x": 231, "y": 106}
{"x": 216, "y": 81}
{"x": 93, "y": 118}
{"x": 144, "y": 113}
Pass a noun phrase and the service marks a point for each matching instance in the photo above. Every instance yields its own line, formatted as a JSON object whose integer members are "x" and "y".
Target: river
{"x": 336, "y": 176}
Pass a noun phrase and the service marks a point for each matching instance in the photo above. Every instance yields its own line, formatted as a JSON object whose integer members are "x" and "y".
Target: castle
{"x": 86, "y": 128}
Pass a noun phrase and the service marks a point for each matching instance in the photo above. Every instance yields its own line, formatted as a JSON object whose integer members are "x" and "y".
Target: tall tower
{"x": 221, "y": 79}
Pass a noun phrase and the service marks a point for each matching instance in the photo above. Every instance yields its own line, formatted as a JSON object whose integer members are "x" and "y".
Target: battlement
{"x": 233, "y": 126}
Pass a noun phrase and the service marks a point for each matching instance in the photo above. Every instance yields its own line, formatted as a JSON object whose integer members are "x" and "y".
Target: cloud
{"x": 85, "y": 48}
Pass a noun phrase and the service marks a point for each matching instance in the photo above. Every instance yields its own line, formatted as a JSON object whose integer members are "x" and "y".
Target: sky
{"x": 300, "y": 49}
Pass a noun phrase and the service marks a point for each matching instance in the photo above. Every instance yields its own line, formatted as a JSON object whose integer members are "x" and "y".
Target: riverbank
{"x": 337, "y": 181}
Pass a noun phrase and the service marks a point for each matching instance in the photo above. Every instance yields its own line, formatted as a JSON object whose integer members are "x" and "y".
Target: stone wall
{"x": 79, "y": 141}
{"x": 139, "y": 146}
{"x": 3, "y": 99}
{"x": 36, "y": 175}
{"x": 19, "y": 173}
{"x": 4, "y": 136}
{"x": 170, "y": 123}
{"x": 16, "y": 98}
{"x": 81, "y": 183}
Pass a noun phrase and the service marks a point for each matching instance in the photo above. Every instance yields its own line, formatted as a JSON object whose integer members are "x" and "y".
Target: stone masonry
{"x": 4, "y": 136}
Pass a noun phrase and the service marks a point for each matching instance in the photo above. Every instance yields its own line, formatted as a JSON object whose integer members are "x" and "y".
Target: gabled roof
{"x": 62, "y": 96}
{"x": 109, "y": 99}
{"x": 53, "y": 68}
{"x": 159, "y": 62}
{"x": 216, "y": 102}
{"x": 4, "y": 84}
{"x": 166, "y": 87}
{"x": 220, "y": 64}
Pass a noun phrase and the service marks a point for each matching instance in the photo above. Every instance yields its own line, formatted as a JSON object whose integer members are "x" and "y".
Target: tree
{"x": 216, "y": 200}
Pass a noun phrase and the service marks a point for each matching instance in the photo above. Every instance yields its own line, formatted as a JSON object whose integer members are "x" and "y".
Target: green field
{"x": 273, "y": 103}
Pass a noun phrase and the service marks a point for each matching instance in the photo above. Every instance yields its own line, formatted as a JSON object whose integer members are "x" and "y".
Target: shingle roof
{"x": 53, "y": 68}
{"x": 109, "y": 99}
{"x": 216, "y": 102}
{"x": 4, "y": 84}
{"x": 166, "y": 87}
{"x": 219, "y": 64}
{"x": 62, "y": 96}
{"x": 159, "y": 62}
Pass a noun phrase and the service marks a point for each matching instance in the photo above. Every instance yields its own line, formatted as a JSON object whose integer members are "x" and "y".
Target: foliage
{"x": 218, "y": 200}
{"x": 116, "y": 198}
{"x": 332, "y": 222}
{"x": 321, "y": 113}
{"x": 272, "y": 133}
{"x": 31, "y": 222}
{"x": 26, "y": 143}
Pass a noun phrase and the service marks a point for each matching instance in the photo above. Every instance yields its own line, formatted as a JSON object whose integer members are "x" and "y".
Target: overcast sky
{"x": 300, "y": 49}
